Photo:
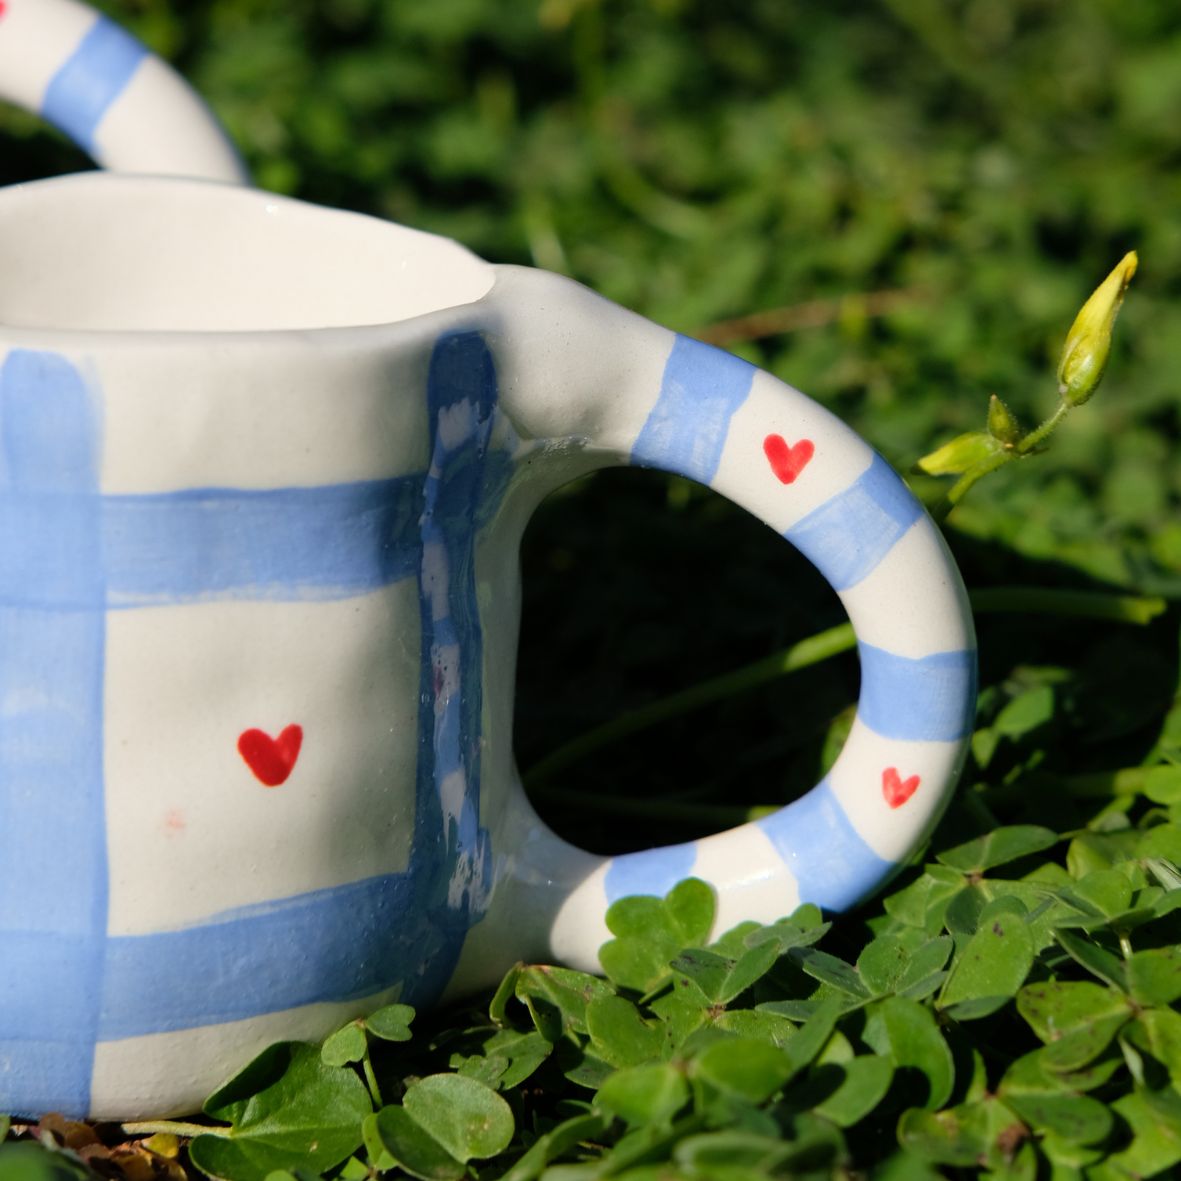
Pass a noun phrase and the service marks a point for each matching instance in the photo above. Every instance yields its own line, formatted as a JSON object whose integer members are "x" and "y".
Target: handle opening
{"x": 669, "y": 585}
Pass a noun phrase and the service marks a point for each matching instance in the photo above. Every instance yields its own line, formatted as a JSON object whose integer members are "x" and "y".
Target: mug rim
{"x": 380, "y": 251}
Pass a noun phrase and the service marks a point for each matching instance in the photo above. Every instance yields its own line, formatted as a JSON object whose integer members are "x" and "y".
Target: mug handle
{"x": 124, "y": 106}
{"x": 599, "y": 386}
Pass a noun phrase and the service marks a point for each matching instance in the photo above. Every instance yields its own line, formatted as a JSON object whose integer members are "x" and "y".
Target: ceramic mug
{"x": 264, "y": 469}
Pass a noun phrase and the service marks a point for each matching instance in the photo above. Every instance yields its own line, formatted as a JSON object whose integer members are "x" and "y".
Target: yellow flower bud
{"x": 1002, "y": 423}
{"x": 1084, "y": 356}
{"x": 963, "y": 452}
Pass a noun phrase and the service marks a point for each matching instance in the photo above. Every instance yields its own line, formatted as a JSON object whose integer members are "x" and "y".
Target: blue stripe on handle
{"x": 686, "y": 429}
{"x": 90, "y": 80}
{"x": 834, "y": 867}
{"x": 652, "y": 871}
{"x": 848, "y": 535}
{"x": 53, "y": 858}
{"x": 931, "y": 698}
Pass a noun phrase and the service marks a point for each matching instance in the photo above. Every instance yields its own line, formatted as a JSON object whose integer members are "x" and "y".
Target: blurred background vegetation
{"x": 983, "y": 163}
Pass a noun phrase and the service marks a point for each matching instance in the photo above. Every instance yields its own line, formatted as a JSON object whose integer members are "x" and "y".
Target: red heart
{"x": 896, "y": 789}
{"x": 271, "y": 759}
{"x": 787, "y": 461}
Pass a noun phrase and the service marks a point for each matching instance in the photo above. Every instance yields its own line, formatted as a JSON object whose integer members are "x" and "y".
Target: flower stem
{"x": 1021, "y": 450}
{"x": 959, "y": 489}
{"x": 1040, "y": 434}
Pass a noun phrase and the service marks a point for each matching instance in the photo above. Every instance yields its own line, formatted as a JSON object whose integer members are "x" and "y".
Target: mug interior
{"x": 104, "y": 252}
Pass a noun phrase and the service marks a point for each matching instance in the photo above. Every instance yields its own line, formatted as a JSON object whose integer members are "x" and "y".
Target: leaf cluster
{"x": 990, "y": 1022}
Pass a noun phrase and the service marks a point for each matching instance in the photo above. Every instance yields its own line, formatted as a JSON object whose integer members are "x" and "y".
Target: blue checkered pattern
{"x": 69, "y": 555}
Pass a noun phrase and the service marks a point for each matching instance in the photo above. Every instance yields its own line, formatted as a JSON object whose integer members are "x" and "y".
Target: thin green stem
{"x": 171, "y": 1128}
{"x": 371, "y": 1081}
{"x": 822, "y": 646}
{"x": 1115, "y": 785}
{"x": 960, "y": 488}
{"x": 1020, "y": 450}
{"x": 1135, "y": 609}
{"x": 807, "y": 652}
{"x": 1040, "y": 434}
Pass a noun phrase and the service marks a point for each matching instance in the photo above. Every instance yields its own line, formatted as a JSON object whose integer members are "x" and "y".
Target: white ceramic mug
{"x": 264, "y": 469}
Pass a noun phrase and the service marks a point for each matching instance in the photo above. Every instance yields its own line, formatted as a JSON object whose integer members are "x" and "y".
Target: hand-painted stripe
{"x": 686, "y": 429}
{"x": 90, "y": 80}
{"x": 848, "y": 535}
{"x": 53, "y": 858}
{"x": 931, "y": 698}
{"x": 288, "y": 544}
{"x": 460, "y": 484}
{"x": 834, "y": 867}
{"x": 652, "y": 871}
{"x": 328, "y": 945}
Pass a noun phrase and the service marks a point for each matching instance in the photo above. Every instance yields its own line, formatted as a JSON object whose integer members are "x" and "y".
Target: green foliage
{"x": 287, "y": 1108}
{"x": 934, "y": 189}
{"x": 28, "y": 1162}
{"x": 1006, "y": 1041}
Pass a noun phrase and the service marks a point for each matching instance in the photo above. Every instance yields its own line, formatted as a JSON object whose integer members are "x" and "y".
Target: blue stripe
{"x": 286, "y": 544}
{"x": 847, "y": 536}
{"x": 834, "y": 867}
{"x": 653, "y": 871}
{"x": 53, "y": 859}
{"x": 328, "y": 945}
{"x": 90, "y": 80}
{"x": 932, "y": 698}
{"x": 686, "y": 430}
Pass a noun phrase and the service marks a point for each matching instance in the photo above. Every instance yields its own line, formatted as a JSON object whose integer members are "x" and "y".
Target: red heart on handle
{"x": 271, "y": 759}
{"x": 787, "y": 461}
{"x": 897, "y": 790}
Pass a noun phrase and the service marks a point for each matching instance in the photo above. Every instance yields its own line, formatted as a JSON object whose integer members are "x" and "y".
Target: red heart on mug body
{"x": 271, "y": 759}
{"x": 787, "y": 460}
{"x": 897, "y": 790}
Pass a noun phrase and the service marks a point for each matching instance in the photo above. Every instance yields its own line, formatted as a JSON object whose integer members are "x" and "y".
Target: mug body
{"x": 243, "y": 683}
